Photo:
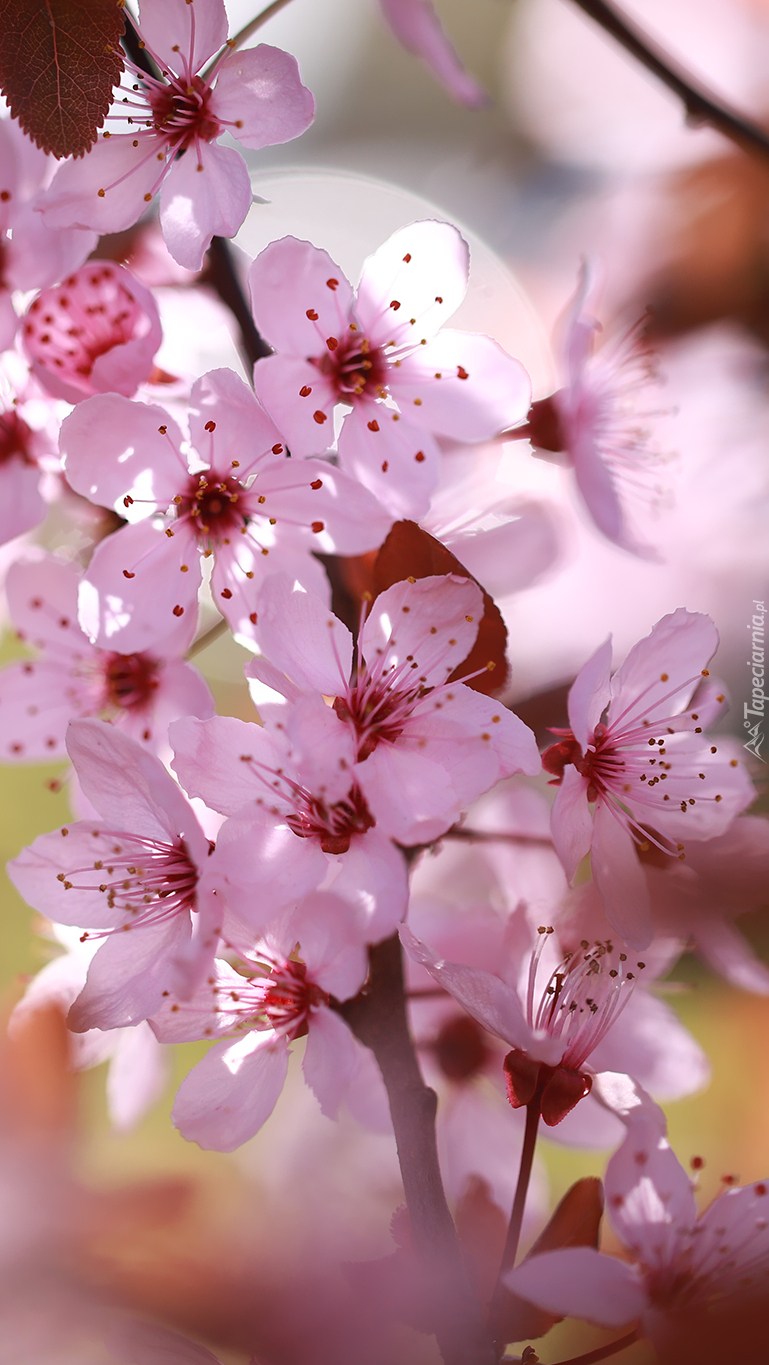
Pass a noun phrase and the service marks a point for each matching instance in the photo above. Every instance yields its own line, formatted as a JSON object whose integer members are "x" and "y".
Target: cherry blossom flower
{"x": 424, "y": 746}
{"x": 298, "y": 818}
{"x": 596, "y": 426}
{"x": 380, "y": 352}
{"x": 95, "y": 333}
{"x": 685, "y": 789}
{"x": 28, "y": 427}
{"x": 140, "y": 693}
{"x": 416, "y": 25}
{"x": 280, "y": 992}
{"x": 140, "y": 879}
{"x": 174, "y": 122}
{"x": 553, "y": 1027}
{"x": 32, "y": 255}
{"x": 138, "y": 1064}
{"x": 695, "y": 1285}
{"x": 231, "y": 494}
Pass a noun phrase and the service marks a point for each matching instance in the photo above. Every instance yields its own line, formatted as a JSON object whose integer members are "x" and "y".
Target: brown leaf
{"x": 575, "y": 1223}
{"x": 482, "y": 1229}
{"x": 410, "y": 552}
{"x": 59, "y": 60}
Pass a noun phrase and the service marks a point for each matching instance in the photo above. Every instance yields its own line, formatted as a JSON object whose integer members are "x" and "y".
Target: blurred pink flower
{"x": 141, "y": 879}
{"x": 230, "y": 493}
{"x": 176, "y": 121}
{"x": 417, "y": 26}
{"x": 639, "y": 798}
{"x": 383, "y": 353}
{"x": 95, "y": 333}
{"x": 140, "y": 693}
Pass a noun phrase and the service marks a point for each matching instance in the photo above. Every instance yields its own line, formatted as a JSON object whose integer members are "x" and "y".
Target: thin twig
{"x": 207, "y": 638}
{"x": 490, "y": 836}
{"x": 533, "y": 1113}
{"x": 221, "y": 274}
{"x": 702, "y": 107}
{"x": 603, "y": 1352}
{"x": 245, "y": 32}
{"x": 378, "y": 1018}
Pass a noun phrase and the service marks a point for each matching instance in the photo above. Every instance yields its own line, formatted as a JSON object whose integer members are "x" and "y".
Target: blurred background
{"x": 578, "y": 155}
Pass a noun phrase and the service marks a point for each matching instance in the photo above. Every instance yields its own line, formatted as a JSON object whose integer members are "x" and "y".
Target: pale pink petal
{"x": 649, "y": 1042}
{"x": 114, "y": 448}
{"x": 129, "y": 974}
{"x": 38, "y": 256}
{"x": 411, "y": 797}
{"x": 372, "y": 875}
{"x": 520, "y": 543}
{"x": 263, "y": 868}
{"x": 366, "y": 1097}
{"x": 343, "y": 517}
{"x": 42, "y": 601}
{"x": 481, "y": 743}
{"x": 581, "y": 1283}
{"x": 619, "y": 876}
{"x": 228, "y": 427}
{"x": 126, "y": 174}
{"x": 570, "y": 821}
{"x": 330, "y": 1059}
{"x": 300, "y": 399}
{"x": 144, "y": 1343}
{"x": 183, "y": 34}
{"x": 135, "y": 589}
{"x": 416, "y": 25}
{"x": 661, "y": 671}
{"x": 430, "y": 624}
{"x": 37, "y": 703}
{"x": 213, "y": 760}
{"x": 589, "y": 695}
{"x": 398, "y": 462}
{"x": 299, "y": 634}
{"x": 259, "y": 93}
{"x": 207, "y": 193}
{"x": 181, "y": 691}
{"x": 649, "y": 1195}
{"x": 289, "y": 280}
{"x": 419, "y": 273}
{"x": 9, "y": 320}
{"x": 229, "y": 1095}
{"x": 481, "y": 390}
{"x": 21, "y": 504}
{"x": 39, "y": 873}
{"x": 323, "y": 747}
{"x": 268, "y": 684}
{"x": 328, "y": 930}
{"x": 728, "y": 953}
{"x": 130, "y": 787}
{"x": 137, "y": 1076}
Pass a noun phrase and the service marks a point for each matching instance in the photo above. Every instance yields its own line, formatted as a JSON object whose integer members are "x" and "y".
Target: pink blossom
{"x": 140, "y": 879}
{"x": 382, "y": 353}
{"x": 32, "y": 255}
{"x": 140, "y": 693}
{"x": 553, "y": 1025}
{"x": 230, "y": 493}
{"x": 95, "y": 333}
{"x": 686, "y": 789}
{"x": 424, "y": 747}
{"x": 416, "y": 25}
{"x": 280, "y": 991}
{"x": 596, "y": 425}
{"x": 175, "y": 121}
{"x": 685, "y": 1272}
{"x": 298, "y": 817}
{"x": 28, "y": 428}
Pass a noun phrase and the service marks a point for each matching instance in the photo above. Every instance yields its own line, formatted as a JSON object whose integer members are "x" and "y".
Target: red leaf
{"x": 59, "y": 60}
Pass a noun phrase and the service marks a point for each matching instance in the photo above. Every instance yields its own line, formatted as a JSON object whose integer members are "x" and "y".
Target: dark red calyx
{"x": 460, "y": 1049}
{"x": 555, "y": 759}
{"x": 543, "y": 425}
{"x": 557, "y": 1088}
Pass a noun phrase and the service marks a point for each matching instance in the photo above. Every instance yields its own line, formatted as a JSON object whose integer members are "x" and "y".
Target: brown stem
{"x": 378, "y": 1018}
{"x": 533, "y": 1112}
{"x": 222, "y": 276}
{"x": 490, "y": 836}
{"x": 700, "y": 104}
{"x": 603, "y": 1352}
{"x": 206, "y": 639}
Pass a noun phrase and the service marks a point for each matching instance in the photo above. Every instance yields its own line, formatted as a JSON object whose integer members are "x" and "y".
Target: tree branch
{"x": 378, "y": 1018}
{"x": 702, "y": 107}
{"x": 222, "y": 276}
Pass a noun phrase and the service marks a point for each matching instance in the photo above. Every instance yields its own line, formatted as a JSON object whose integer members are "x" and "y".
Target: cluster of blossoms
{"x": 251, "y": 883}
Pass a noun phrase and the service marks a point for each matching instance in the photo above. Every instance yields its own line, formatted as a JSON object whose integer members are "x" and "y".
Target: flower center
{"x": 376, "y": 712}
{"x": 599, "y": 765}
{"x": 355, "y": 367}
{"x": 181, "y": 114}
{"x": 70, "y": 326}
{"x": 15, "y": 438}
{"x": 130, "y": 679}
{"x": 334, "y": 824}
{"x": 144, "y": 880}
{"x": 211, "y": 503}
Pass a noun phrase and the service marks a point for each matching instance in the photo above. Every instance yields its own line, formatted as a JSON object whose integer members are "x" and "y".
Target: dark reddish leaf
{"x": 482, "y": 1229}
{"x": 59, "y": 60}
{"x": 575, "y": 1223}
{"x": 409, "y": 552}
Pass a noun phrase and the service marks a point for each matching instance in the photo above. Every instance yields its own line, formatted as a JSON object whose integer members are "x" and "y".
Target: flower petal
{"x": 206, "y": 193}
{"x": 570, "y": 820}
{"x": 330, "y": 1059}
{"x": 135, "y": 591}
{"x": 589, "y": 695}
{"x": 463, "y": 386}
{"x": 290, "y": 280}
{"x": 581, "y": 1283}
{"x": 183, "y": 36}
{"x": 229, "y": 1095}
{"x": 299, "y": 634}
{"x": 419, "y": 273}
{"x": 620, "y": 879}
{"x": 259, "y": 92}
{"x": 416, "y": 25}
{"x": 114, "y": 448}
